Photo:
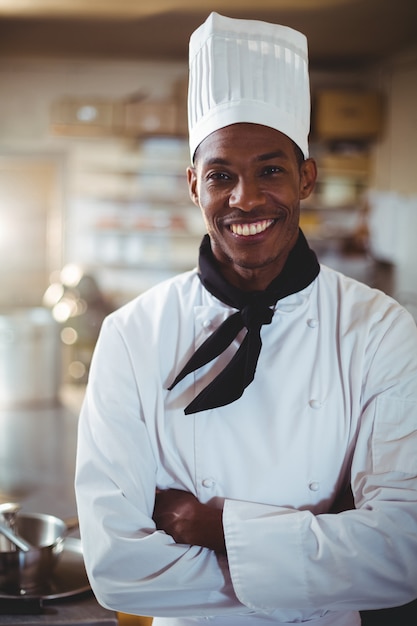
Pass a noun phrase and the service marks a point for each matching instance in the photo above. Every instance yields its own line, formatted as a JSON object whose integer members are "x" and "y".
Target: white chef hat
{"x": 248, "y": 71}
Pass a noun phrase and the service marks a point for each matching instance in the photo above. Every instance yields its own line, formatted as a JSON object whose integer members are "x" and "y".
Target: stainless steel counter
{"x": 37, "y": 464}
{"x": 82, "y": 611}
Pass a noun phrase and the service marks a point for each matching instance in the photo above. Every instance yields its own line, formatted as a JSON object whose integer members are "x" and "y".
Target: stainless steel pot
{"x": 30, "y": 357}
{"x": 26, "y": 572}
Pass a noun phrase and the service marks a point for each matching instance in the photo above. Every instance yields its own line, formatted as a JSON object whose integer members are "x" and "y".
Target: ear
{"x": 192, "y": 185}
{"x": 308, "y": 176}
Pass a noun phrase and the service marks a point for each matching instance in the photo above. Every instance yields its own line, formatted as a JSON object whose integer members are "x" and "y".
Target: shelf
{"x": 157, "y": 233}
{"x": 328, "y": 209}
{"x": 153, "y": 267}
{"x": 131, "y": 222}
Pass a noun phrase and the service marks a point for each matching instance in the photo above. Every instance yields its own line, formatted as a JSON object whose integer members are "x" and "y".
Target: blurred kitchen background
{"x": 94, "y": 206}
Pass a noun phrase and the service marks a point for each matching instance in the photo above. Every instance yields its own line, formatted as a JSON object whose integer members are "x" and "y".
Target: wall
{"x": 396, "y": 154}
{"x": 27, "y": 90}
{"x": 393, "y": 201}
{"x": 29, "y": 87}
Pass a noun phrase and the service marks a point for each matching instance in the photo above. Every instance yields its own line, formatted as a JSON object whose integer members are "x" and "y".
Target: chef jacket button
{"x": 312, "y": 322}
{"x": 207, "y": 324}
{"x": 314, "y": 486}
{"x": 315, "y": 404}
{"x": 208, "y": 482}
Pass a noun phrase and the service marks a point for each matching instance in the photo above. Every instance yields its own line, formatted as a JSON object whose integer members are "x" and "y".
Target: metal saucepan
{"x": 14, "y": 541}
{"x": 25, "y": 572}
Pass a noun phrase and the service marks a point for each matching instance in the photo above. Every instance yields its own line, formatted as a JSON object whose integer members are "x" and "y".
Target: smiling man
{"x": 248, "y": 182}
{"x": 230, "y": 409}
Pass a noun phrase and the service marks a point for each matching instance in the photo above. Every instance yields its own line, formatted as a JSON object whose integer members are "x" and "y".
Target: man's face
{"x": 248, "y": 183}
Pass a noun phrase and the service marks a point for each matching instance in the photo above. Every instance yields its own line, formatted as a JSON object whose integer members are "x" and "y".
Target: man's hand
{"x": 182, "y": 516}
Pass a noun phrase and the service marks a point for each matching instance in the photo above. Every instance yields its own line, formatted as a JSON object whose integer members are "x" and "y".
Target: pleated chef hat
{"x": 248, "y": 71}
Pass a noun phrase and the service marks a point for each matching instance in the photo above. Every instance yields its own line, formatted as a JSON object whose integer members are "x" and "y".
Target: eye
{"x": 269, "y": 170}
{"x": 220, "y": 175}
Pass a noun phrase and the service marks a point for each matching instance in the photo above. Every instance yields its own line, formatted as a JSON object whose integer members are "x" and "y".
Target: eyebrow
{"x": 280, "y": 154}
{"x": 262, "y": 157}
{"x": 216, "y": 161}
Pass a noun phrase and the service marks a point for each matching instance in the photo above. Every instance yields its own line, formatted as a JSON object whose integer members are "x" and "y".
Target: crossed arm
{"x": 188, "y": 521}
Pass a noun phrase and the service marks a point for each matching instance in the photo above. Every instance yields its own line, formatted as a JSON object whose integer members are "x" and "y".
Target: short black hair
{"x": 298, "y": 154}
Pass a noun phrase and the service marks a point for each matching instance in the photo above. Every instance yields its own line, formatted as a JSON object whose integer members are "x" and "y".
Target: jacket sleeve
{"x": 131, "y": 566}
{"x": 359, "y": 559}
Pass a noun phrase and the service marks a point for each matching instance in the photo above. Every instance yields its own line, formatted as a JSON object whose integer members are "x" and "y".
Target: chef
{"x": 228, "y": 409}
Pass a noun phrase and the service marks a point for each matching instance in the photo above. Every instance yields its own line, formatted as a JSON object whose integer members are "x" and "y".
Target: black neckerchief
{"x": 254, "y": 310}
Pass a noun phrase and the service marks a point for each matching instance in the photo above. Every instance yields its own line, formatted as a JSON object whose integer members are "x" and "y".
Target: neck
{"x": 299, "y": 270}
{"x": 249, "y": 279}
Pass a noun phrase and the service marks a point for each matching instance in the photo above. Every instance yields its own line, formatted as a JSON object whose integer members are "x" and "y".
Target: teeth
{"x": 250, "y": 229}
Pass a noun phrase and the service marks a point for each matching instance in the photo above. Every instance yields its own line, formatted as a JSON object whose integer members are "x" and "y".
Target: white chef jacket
{"x": 334, "y": 401}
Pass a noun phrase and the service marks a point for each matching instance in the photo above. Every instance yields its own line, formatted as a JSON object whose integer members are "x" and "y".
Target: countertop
{"x": 37, "y": 464}
{"x": 81, "y": 611}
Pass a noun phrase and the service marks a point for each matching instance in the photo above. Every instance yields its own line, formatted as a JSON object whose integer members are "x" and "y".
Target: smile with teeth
{"x": 250, "y": 229}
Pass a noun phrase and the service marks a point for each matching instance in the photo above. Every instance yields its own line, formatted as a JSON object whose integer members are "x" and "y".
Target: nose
{"x": 246, "y": 195}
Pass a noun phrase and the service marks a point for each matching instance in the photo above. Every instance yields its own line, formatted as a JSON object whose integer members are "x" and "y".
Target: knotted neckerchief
{"x": 254, "y": 310}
